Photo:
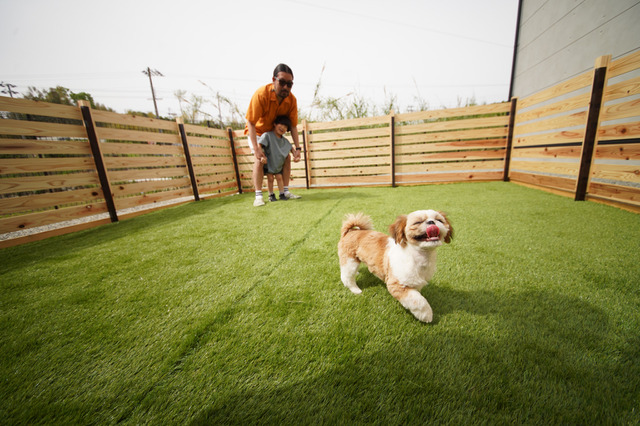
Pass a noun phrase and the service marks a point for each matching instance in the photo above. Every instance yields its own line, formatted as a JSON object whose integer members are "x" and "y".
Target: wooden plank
{"x": 40, "y": 165}
{"x": 211, "y": 161}
{"x": 382, "y": 132}
{"x": 576, "y": 83}
{"x": 559, "y": 183}
{"x": 550, "y": 138}
{"x": 137, "y": 162}
{"x": 342, "y": 162}
{"x": 117, "y": 148}
{"x": 195, "y": 141}
{"x": 624, "y": 64}
{"x": 621, "y": 110}
{"x": 623, "y": 89}
{"x": 448, "y": 167}
{"x": 547, "y": 152}
{"x": 619, "y": 131}
{"x": 626, "y": 194}
{"x": 622, "y": 173}
{"x": 453, "y": 156}
{"x": 41, "y": 129}
{"x": 348, "y": 144}
{"x": 55, "y": 232}
{"x": 125, "y": 189}
{"x": 36, "y": 183}
{"x": 618, "y": 151}
{"x": 193, "y": 129}
{"x": 342, "y": 124}
{"x": 225, "y": 186}
{"x": 361, "y": 152}
{"x": 216, "y": 179}
{"x": 27, "y": 106}
{"x": 566, "y": 121}
{"x": 211, "y": 151}
{"x": 210, "y": 169}
{"x": 149, "y": 199}
{"x": 449, "y": 177}
{"x": 566, "y": 105}
{"x": 454, "y": 112}
{"x": 29, "y": 203}
{"x": 153, "y": 173}
{"x": 351, "y": 171}
{"x": 552, "y": 167}
{"x": 34, "y": 147}
{"x": 351, "y": 180}
{"x": 50, "y": 217}
{"x": 137, "y": 135}
{"x": 467, "y": 124}
{"x": 450, "y": 146}
{"x": 494, "y": 132}
{"x": 100, "y": 116}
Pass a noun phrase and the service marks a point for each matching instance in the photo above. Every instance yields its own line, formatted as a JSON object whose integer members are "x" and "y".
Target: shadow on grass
{"x": 545, "y": 359}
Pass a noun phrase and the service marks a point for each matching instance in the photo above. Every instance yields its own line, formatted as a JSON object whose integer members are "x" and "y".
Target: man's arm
{"x": 297, "y": 152}
{"x": 253, "y": 140}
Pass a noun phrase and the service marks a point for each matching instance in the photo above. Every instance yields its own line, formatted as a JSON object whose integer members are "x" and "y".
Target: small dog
{"x": 405, "y": 261}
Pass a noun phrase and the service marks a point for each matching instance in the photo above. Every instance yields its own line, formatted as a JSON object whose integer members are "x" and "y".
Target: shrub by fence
{"x": 61, "y": 163}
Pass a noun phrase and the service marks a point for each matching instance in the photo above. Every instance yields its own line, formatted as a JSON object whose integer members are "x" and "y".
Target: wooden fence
{"x": 59, "y": 164}
{"x": 581, "y": 138}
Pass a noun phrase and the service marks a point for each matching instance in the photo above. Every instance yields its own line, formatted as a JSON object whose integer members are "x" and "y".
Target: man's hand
{"x": 296, "y": 155}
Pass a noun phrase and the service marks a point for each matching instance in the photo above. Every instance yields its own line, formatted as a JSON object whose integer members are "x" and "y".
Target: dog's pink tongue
{"x": 433, "y": 231}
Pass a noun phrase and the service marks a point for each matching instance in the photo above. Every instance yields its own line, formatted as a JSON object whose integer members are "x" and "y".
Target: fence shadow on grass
{"x": 546, "y": 361}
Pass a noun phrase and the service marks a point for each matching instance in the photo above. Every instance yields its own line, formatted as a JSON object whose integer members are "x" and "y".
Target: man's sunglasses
{"x": 284, "y": 82}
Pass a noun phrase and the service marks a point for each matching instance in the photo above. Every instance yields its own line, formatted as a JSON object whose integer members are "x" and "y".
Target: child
{"x": 276, "y": 147}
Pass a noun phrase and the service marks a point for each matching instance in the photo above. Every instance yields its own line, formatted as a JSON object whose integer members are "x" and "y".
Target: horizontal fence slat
{"x": 576, "y": 83}
{"x": 41, "y": 129}
{"x": 551, "y": 167}
{"x": 40, "y": 165}
{"x": 50, "y": 217}
{"x": 27, "y": 106}
{"x": 46, "y": 147}
{"x": 137, "y": 136}
{"x": 56, "y": 181}
{"x": 619, "y": 151}
{"x": 449, "y": 146}
{"x": 108, "y": 117}
{"x": 49, "y": 200}
{"x": 616, "y": 172}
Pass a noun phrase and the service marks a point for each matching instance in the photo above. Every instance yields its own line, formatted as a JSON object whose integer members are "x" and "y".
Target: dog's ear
{"x": 449, "y": 236}
{"x": 396, "y": 230}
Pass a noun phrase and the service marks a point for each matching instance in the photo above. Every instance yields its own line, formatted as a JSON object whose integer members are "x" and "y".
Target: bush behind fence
{"x": 61, "y": 163}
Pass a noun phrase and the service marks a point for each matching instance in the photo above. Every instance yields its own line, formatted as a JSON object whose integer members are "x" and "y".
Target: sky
{"x": 442, "y": 53}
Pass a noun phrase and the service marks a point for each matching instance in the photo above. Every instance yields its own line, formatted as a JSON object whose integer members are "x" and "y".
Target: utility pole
{"x": 149, "y": 72}
{"x": 9, "y": 87}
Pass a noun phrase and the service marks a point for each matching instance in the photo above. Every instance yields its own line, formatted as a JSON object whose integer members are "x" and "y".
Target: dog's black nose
{"x": 431, "y": 222}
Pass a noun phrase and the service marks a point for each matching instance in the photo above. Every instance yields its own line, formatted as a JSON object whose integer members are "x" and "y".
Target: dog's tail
{"x": 356, "y": 221}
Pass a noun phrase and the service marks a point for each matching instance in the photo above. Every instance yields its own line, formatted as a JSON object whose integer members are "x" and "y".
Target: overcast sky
{"x": 442, "y": 52}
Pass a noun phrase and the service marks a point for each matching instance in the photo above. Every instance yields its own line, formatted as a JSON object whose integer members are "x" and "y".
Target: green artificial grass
{"x": 217, "y": 312}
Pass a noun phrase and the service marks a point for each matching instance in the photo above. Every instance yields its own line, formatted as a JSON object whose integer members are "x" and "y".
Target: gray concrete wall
{"x": 559, "y": 39}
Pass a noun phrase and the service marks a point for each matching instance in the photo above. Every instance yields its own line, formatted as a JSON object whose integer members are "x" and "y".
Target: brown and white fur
{"x": 406, "y": 261}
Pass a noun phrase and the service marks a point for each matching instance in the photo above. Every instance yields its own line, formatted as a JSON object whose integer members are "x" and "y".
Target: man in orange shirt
{"x": 267, "y": 103}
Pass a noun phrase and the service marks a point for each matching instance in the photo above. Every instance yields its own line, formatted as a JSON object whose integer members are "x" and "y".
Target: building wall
{"x": 559, "y": 39}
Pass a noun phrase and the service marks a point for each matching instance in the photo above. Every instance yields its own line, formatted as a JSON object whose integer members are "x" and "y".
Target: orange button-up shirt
{"x": 264, "y": 108}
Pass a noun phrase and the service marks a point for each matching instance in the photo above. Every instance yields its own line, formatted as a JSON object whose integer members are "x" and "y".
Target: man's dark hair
{"x": 282, "y": 68}
{"x": 283, "y": 119}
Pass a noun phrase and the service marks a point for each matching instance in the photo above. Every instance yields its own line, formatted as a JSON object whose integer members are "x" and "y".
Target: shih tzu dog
{"x": 405, "y": 261}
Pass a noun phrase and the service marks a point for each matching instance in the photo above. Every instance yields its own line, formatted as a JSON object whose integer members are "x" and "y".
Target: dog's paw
{"x": 355, "y": 290}
{"x": 425, "y": 314}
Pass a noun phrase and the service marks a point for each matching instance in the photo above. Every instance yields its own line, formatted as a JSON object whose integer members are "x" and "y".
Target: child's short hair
{"x": 283, "y": 119}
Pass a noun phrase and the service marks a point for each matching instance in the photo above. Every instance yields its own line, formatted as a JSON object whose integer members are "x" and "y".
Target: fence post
{"x": 304, "y": 148}
{"x": 512, "y": 122}
{"x": 593, "y": 123}
{"x": 85, "y": 109}
{"x": 187, "y": 154}
{"x": 235, "y": 159}
{"x": 307, "y": 159}
{"x": 392, "y": 130}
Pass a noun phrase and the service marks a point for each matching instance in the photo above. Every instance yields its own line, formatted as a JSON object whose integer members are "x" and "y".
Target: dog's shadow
{"x": 365, "y": 279}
